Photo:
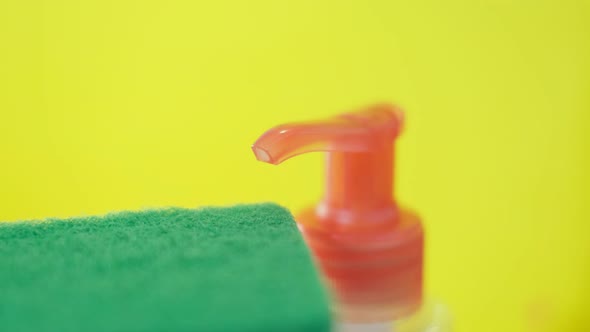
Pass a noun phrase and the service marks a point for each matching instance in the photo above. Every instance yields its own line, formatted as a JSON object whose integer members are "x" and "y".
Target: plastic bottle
{"x": 369, "y": 250}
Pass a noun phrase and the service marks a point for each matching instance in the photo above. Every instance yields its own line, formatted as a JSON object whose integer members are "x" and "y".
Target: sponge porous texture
{"x": 242, "y": 268}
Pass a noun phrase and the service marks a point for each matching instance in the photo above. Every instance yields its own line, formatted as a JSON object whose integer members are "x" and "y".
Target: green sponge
{"x": 242, "y": 268}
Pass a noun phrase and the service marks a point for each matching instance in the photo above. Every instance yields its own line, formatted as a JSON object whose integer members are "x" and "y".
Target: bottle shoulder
{"x": 433, "y": 316}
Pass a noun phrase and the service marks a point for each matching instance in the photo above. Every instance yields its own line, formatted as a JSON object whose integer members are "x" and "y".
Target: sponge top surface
{"x": 242, "y": 268}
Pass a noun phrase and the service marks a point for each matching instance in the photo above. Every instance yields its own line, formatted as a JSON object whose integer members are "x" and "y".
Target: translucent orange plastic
{"x": 370, "y": 251}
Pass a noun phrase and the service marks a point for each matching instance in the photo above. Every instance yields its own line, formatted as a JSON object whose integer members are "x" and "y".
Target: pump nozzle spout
{"x": 352, "y": 132}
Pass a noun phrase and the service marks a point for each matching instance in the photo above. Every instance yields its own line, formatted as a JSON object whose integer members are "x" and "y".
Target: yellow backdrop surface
{"x": 118, "y": 105}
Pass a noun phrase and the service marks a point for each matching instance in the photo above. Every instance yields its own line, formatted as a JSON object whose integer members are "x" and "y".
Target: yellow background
{"x": 112, "y": 105}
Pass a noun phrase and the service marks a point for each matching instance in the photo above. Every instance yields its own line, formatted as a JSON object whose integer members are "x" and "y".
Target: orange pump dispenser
{"x": 369, "y": 249}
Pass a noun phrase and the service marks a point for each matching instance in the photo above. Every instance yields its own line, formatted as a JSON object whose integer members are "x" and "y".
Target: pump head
{"x": 369, "y": 249}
